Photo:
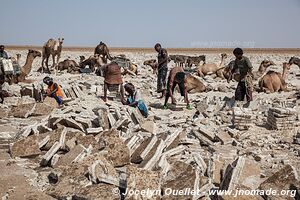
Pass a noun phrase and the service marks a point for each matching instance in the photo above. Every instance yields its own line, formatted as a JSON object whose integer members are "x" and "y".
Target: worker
{"x": 54, "y": 90}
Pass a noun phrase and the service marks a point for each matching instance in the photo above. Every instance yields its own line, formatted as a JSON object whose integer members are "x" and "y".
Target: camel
{"x": 179, "y": 59}
{"x": 195, "y": 60}
{"x": 262, "y": 69}
{"x": 225, "y": 72}
{"x": 102, "y": 50}
{"x": 70, "y": 65}
{"x": 295, "y": 60}
{"x": 152, "y": 63}
{"x": 93, "y": 62}
{"x": 206, "y": 69}
{"x": 274, "y": 81}
{"x": 194, "y": 85}
{"x": 51, "y": 47}
{"x": 131, "y": 70}
{"x": 25, "y": 70}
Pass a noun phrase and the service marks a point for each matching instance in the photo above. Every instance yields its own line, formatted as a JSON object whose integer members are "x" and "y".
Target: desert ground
{"x": 89, "y": 149}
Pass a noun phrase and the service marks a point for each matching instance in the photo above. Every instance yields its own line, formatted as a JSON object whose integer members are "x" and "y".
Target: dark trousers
{"x": 161, "y": 78}
{"x": 242, "y": 91}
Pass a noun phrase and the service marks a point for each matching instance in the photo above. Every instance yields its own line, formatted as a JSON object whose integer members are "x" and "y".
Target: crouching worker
{"x": 54, "y": 90}
{"x": 113, "y": 79}
{"x": 177, "y": 77}
{"x": 134, "y": 99}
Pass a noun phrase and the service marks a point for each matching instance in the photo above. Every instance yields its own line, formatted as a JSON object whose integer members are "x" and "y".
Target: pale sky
{"x": 142, "y": 23}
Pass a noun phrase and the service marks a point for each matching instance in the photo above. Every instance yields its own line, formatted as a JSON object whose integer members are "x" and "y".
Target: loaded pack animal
{"x": 25, "y": 70}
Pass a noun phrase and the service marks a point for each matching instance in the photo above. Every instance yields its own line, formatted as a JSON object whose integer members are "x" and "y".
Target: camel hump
{"x": 52, "y": 43}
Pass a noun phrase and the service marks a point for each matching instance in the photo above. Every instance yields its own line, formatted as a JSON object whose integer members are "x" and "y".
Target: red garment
{"x": 112, "y": 74}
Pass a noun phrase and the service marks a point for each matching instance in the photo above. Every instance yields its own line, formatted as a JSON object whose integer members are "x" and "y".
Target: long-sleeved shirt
{"x": 244, "y": 66}
{"x": 4, "y": 55}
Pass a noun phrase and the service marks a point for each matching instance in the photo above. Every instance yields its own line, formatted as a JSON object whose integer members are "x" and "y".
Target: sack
{"x": 122, "y": 62}
{"x": 7, "y": 66}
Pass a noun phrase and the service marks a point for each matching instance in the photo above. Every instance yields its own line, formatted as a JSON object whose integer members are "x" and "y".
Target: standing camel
{"x": 51, "y": 47}
{"x": 103, "y": 52}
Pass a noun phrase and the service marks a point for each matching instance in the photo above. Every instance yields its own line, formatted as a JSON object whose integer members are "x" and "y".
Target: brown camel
{"x": 211, "y": 68}
{"x": 93, "y": 62}
{"x": 152, "y": 63}
{"x": 103, "y": 51}
{"x": 262, "y": 69}
{"x": 194, "y": 85}
{"x": 131, "y": 70}
{"x": 274, "y": 81}
{"x": 51, "y": 47}
{"x": 25, "y": 70}
{"x": 70, "y": 65}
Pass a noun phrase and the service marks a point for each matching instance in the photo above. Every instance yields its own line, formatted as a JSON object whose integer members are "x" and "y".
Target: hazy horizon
{"x": 137, "y": 23}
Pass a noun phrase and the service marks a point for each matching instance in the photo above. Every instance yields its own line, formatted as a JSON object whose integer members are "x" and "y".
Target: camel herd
{"x": 268, "y": 81}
